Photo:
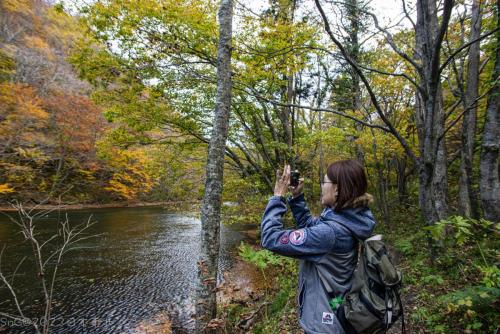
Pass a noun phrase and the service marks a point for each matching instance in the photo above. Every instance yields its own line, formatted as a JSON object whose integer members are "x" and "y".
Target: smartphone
{"x": 294, "y": 178}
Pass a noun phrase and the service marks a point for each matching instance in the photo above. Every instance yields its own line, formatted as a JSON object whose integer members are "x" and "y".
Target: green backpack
{"x": 373, "y": 303}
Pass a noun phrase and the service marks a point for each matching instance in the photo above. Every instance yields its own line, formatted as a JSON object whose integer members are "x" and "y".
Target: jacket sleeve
{"x": 305, "y": 243}
{"x": 301, "y": 212}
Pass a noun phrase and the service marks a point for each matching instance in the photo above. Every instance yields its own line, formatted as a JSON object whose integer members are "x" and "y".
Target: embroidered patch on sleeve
{"x": 284, "y": 239}
{"x": 327, "y": 318}
{"x": 298, "y": 237}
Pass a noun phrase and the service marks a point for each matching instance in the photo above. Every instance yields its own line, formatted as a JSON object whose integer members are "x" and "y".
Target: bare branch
{"x": 438, "y": 43}
{"x": 363, "y": 78}
{"x": 408, "y": 15}
{"x": 370, "y": 125}
{"x": 472, "y": 105}
{"x": 403, "y": 75}
{"x": 390, "y": 40}
{"x": 70, "y": 237}
{"x": 17, "y": 268}
{"x": 466, "y": 45}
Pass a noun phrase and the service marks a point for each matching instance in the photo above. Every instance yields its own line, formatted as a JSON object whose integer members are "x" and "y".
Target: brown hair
{"x": 350, "y": 177}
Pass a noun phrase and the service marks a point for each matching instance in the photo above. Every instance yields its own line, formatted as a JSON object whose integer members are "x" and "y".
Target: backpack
{"x": 373, "y": 303}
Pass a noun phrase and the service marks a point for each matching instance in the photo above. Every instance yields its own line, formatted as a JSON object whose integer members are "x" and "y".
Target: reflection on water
{"x": 143, "y": 264}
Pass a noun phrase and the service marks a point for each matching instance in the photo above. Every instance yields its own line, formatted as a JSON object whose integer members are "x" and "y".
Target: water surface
{"x": 142, "y": 264}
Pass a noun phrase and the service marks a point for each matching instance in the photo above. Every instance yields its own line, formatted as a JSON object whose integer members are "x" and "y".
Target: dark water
{"x": 142, "y": 264}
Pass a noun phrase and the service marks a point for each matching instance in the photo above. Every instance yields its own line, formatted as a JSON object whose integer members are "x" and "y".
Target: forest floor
{"x": 245, "y": 286}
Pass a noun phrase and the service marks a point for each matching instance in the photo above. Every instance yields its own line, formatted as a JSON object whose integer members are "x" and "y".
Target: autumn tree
{"x": 22, "y": 120}
{"x": 50, "y": 125}
{"x": 428, "y": 66}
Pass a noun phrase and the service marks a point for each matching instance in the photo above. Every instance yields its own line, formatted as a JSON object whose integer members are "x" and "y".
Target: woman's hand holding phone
{"x": 296, "y": 191}
{"x": 283, "y": 183}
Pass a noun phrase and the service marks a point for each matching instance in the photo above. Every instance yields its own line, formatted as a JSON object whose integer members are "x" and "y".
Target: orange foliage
{"x": 21, "y": 116}
{"x": 35, "y": 42}
{"x": 77, "y": 121}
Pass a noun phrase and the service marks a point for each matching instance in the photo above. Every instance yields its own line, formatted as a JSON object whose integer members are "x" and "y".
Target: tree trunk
{"x": 319, "y": 101}
{"x": 381, "y": 181}
{"x": 274, "y": 134}
{"x": 489, "y": 173}
{"x": 321, "y": 170}
{"x": 440, "y": 177}
{"x": 402, "y": 179}
{"x": 430, "y": 114}
{"x": 467, "y": 196}
{"x": 289, "y": 116}
{"x": 285, "y": 11}
{"x": 432, "y": 174}
{"x": 353, "y": 12}
{"x": 206, "y": 306}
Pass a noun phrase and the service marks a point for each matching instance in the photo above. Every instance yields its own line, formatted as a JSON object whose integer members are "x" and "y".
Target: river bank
{"x": 84, "y": 206}
{"x": 242, "y": 284}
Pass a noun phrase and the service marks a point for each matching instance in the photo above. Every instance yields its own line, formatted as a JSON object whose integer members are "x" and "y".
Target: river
{"x": 142, "y": 264}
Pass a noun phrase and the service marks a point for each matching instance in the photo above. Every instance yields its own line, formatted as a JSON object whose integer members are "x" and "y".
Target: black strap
{"x": 398, "y": 297}
{"x": 386, "y": 320}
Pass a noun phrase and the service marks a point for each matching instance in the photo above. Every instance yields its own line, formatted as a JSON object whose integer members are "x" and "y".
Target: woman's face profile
{"x": 328, "y": 192}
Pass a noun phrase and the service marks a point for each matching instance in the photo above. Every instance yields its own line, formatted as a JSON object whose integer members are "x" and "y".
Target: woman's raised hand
{"x": 282, "y": 181}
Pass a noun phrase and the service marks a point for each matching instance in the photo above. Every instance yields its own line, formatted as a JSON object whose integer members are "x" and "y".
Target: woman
{"x": 326, "y": 244}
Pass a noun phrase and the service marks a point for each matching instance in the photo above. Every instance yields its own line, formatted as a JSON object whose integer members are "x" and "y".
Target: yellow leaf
{"x": 6, "y": 188}
{"x": 21, "y": 6}
{"x": 36, "y": 42}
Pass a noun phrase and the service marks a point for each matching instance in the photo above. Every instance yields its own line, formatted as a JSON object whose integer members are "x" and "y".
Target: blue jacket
{"x": 327, "y": 249}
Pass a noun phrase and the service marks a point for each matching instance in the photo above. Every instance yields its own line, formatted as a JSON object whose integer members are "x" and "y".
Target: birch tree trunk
{"x": 467, "y": 196}
{"x": 206, "y": 306}
{"x": 489, "y": 182}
